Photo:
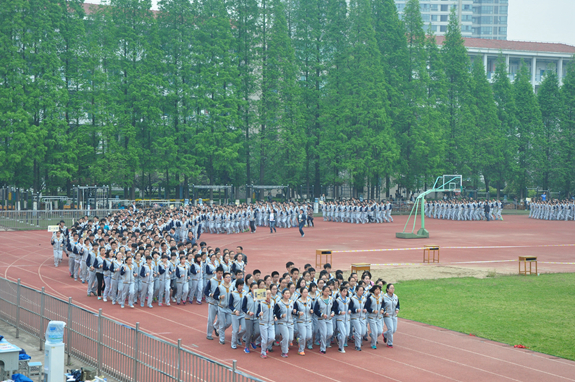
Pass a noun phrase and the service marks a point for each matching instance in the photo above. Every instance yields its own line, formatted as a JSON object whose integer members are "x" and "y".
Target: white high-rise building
{"x": 478, "y": 18}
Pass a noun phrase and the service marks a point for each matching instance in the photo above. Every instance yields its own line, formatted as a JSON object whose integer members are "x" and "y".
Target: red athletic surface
{"x": 421, "y": 352}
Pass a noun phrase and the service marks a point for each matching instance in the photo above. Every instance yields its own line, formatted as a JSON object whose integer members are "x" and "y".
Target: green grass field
{"x": 535, "y": 311}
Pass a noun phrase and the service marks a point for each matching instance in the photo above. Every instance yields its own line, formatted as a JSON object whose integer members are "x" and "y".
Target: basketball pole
{"x": 423, "y": 233}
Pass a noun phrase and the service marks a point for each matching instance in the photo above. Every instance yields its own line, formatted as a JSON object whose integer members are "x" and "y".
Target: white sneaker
{"x": 105, "y": 299}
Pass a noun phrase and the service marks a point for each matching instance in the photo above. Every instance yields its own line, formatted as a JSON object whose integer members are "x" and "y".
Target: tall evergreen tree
{"x": 371, "y": 147}
{"x": 529, "y": 132}
{"x": 568, "y": 130}
{"x": 506, "y": 112}
{"x": 490, "y": 142}
{"x": 550, "y": 103}
{"x": 460, "y": 148}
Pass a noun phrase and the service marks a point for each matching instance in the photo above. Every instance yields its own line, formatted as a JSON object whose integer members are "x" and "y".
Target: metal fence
{"x": 41, "y": 219}
{"x": 124, "y": 353}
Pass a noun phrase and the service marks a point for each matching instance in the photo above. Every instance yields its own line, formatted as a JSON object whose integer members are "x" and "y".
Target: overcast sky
{"x": 533, "y": 20}
{"x": 542, "y": 21}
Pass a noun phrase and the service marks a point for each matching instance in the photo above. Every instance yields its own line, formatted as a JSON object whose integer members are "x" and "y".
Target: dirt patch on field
{"x": 430, "y": 272}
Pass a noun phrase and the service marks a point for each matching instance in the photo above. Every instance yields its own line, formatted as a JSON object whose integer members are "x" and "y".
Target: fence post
{"x": 179, "y": 359}
{"x": 18, "y": 309}
{"x": 41, "y": 319}
{"x": 100, "y": 334}
{"x": 234, "y": 368}
{"x": 136, "y": 352}
{"x": 68, "y": 331}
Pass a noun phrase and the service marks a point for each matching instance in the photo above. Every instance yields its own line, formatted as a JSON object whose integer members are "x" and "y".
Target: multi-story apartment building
{"x": 478, "y": 18}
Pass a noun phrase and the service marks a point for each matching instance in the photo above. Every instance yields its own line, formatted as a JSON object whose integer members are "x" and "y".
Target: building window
{"x": 425, "y": 17}
{"x": 444, "y": 18}
{"x": 434, "y": 7}
{"x": 486, "y": 20}
{"x": 424, "y": 7}
{"x": 503, "y": 9}
{"x": 433, "y": 17}
{"x": 502, "y": 30}
{"x": 400, "y": 7}
{"x": 444, "y": 8}
{"x": 467, "y": 7}
{"x": 465, "y": 17}
{"x": 466, "y": 28}
{"x": 502, "y": 19}
{"x": 443, "y": 28}
{"x": 485, "y": 30}
{"x": 432, "y": 28}
{"x": 486, "y": 9}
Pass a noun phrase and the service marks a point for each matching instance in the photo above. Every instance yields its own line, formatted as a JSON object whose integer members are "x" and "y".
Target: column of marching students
{"x": 127, "y": 266}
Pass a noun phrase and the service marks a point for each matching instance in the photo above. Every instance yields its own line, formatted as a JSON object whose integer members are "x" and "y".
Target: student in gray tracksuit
{"x": 358, "y": 316}
{"x": 374, "y": 307}
{"x": 165, "y": 277}
{"x": 250, "y": 307}
{"x": 238, "y": 317}
{"x": 222, "y": 296}
{"x": 390, "y": 308}
{"x": 58, "y": 246}
{"x": 116, "y": 288}
{"x": 342, "y": 314}
{"x": 128, "y": 273}
{"x": 182, "y": 275}
{"x": 195, "y": 277}
{"x": 211, "y": 286}
{"x": 283, "y": 311}
{"x": 147, "y": 280}
{"x": 304, "y": 312}
{"x": 323, "y": 309}
{"x": 266, "y": 316}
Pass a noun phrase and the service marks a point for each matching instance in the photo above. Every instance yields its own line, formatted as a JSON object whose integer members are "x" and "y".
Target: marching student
{"x": 358, "y": 316}
{"x": 116, "y": 287}
{"x": 238, "y": 316}
{"x": 107, "y": 275}
{"x": 99, "y": 266}
{"x": 391, "y": 308}
{"x": 91, "y": 260}
{"x": 147, "y": 280}
{"x": 304, "y": 311}
{"x": 342, "y": 314}
{"x": 374, "y": 308}
{"x": 195, "y": 278}
{"x": 250, "y": 307}
{"x": 211, "y": 286}
{"x": 57, "y": 242}
{"x": 283, "y": 311}
{"x": 128, "y": 274}
{"x": 222, "y": 296}
{"x": 266, "y": 316}
{"x": 323, "y": 309}
{"x": 165, "y": 272}
{"x": 182, "y": 275}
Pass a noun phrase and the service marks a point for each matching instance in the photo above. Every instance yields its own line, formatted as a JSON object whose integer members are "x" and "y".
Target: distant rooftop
{"x": 513, "y": 45}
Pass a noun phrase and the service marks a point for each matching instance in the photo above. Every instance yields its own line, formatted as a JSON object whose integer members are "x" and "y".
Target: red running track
{"x": 421, "y": 352}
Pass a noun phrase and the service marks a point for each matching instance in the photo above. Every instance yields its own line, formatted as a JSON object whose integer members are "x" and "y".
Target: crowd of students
{"x": 464, "y": 209}
{"x": 356, "y": 211}
{"x": 552, "y": 210}
{"x": 134, "y": 257}
{"x": 308, "y": 308}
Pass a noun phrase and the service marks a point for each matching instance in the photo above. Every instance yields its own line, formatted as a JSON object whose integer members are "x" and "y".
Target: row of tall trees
{"x": 313, "y": 92}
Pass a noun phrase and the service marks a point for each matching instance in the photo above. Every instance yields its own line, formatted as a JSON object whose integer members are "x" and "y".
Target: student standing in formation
{"x": 265, "y": 314}
{"x": 391, "y": 308}
{"x": 250, "y": 307}
{"x": 165, "y": 278}
{"x": 222, "y": 296}
{"x": 342, "y": 314}
{"x": 272, "y": 219}
{"x": 58, "y": 245}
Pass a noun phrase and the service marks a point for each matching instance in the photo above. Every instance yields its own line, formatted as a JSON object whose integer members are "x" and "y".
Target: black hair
{"x": 239, "y": 282}
{"x": 220, "y": 269}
